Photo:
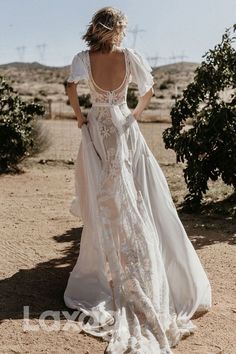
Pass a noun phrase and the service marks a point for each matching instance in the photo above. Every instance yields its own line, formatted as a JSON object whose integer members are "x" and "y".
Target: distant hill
{"x": 184, "y": 65}
{"x": 47, "y": 83}
{"x": 33, "y": 65}
{"x": 36, "y": 65}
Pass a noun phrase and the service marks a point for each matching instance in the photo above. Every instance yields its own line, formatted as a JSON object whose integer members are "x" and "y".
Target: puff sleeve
{"x": 78, "y": 70}
{"x": 140, "y": 71}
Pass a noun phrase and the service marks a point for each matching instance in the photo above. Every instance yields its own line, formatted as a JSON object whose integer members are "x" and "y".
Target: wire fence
{"x": 65, "y": 138}
{"x": 61, "y": 139}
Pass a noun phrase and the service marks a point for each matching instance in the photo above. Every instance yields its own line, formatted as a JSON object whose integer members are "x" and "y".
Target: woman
{"x": 137, "y": 277}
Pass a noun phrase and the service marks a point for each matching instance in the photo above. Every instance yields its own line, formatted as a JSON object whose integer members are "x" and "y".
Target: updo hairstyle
{"x": 105, "y": 29}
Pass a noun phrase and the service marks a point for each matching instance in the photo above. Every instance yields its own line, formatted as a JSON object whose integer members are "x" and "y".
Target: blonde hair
{"x": 106, "y": 24}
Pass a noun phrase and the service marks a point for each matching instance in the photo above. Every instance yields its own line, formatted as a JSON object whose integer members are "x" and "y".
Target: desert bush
{"x": 132, "y": 99}
{"x": 163, "y": 86}
{"x": 16, "y": 119}
{"x": 41, "y": 138}
{"x": 173, "y": 96}
{"x": 42, "y": 92}
{"x": 169, "y": 82}
{"x": 166, "y": 84}
{"x": 84, "y": 100}
{"x": 209, "y": 147}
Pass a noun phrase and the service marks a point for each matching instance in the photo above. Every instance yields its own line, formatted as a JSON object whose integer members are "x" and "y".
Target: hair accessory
{"x": 102, "y": 24}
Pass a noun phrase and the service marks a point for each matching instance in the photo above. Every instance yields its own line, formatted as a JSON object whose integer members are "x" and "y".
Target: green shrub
{"x": 209, "y": 147}
{"x": 163, "y": 86}
{"x": 16, "y": 119}
{"x": 166, "y": 84}
{"x": 84, "y": 100}
{"x": 174, "y": 97}
{"x": 132, "y": 99}
{"x": 42, "y": 92}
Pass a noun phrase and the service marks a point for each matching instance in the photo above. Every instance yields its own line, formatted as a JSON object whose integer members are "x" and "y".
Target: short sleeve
{"x": 78, "y": 70}
{"x": 140, "y": 71}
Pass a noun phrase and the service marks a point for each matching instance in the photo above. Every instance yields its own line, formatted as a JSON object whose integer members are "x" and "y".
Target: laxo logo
{"x": 49, "y": 320}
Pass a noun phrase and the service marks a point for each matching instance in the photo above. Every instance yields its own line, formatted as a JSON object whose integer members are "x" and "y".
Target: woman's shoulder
{"x": 134, "y": 55}
{"x": 132, "y": 50}
{"x": 78, "y": 68}
{"x": 81, "y": 54}
{"x": 138, "y": 58}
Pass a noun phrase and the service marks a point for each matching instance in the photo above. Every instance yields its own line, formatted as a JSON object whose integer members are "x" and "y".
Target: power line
{"x": 174, "y": 57}
{"x": 154, "y": 59}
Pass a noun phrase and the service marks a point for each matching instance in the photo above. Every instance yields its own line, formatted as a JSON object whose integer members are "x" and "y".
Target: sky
{"x": 49, "y": 31}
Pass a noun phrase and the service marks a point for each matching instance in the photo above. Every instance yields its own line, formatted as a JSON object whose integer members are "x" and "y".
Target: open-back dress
{"x": 138, "y": 278}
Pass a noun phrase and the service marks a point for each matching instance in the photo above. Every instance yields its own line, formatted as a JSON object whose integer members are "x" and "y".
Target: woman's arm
{"x": 142, "y": 103}
{"x": 74, "y": 102}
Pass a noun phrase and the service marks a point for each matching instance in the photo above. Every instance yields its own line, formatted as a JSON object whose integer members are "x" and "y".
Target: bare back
{"x": 108, "y": 69}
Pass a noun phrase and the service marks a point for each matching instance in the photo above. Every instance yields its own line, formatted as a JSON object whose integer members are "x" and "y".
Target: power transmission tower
{"x": 135, "y": 32}
{"x": 41, "y": 49}
{"x": 154, "y": 59}
{"x": 21, "y": 52}
{"x": 174, "y": 57}
{"x": 182, "y": 56}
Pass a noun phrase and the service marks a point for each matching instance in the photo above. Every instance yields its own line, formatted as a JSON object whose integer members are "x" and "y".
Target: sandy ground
{"x": 39, "y": 245}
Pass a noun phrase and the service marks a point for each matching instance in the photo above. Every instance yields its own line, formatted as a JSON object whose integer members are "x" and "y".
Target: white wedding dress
{"x": 132, "y": 234}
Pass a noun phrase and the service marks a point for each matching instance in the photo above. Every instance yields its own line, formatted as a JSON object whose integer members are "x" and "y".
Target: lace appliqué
{"x": 105, "y": 124}
{"x": 127, "y": 239}
{"x": 106, "y": 131}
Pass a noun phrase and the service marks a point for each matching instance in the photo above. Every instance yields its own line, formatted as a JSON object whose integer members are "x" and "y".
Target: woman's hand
{"x": 135, "y": 114}
{"x": 74, "y": 102}
{"x": 143, "y": 101}
{"x": 81, "y": 120}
